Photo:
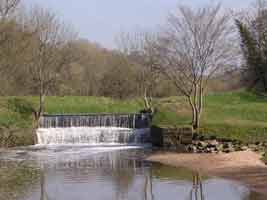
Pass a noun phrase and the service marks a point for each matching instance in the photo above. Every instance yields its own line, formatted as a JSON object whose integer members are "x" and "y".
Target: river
{"x": 105, "y": 173}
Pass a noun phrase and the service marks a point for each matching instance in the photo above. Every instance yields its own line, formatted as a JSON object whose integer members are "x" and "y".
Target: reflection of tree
{"x": 197, "y": 189}
{"x": 123, "y": 179}
{"x": 123, "y": 170}
{"x": 43, "y": 194}
{"x": 148, "y": 187}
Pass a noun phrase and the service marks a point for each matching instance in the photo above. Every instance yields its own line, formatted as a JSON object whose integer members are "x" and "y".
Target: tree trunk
{"x": 199, "y": 105}
{"x": 37, "y": 115}
{"x": 41, "y": 105}
{"x": 196, "y": 104}
{"x": 194, "y": 112}
{"x": 197, "y": 122}
{"x": 148, "y": 100}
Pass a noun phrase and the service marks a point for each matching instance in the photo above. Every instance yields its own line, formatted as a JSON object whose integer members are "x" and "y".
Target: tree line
{"x": 197, "y": 45}
{"x": 188, "y": 56}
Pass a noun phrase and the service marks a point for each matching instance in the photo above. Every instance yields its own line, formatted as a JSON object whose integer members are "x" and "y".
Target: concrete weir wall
{"x": 171, "y": 137}
{"x": 133, "y": 121}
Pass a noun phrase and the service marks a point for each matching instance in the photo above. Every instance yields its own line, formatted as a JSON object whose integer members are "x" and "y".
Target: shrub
{"x": 21, "y": 106}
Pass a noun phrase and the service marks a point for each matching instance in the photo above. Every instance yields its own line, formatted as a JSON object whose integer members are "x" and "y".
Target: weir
{"x": 94, "y": 129}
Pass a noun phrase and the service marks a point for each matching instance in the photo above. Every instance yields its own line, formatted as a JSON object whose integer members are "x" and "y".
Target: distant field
{"x": 237, "y": 115}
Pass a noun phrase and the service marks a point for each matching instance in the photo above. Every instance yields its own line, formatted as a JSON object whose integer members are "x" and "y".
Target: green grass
{"x": 238, "y": 115}
{"x": 90, "y": 105}
{"x": 234, "y": 115}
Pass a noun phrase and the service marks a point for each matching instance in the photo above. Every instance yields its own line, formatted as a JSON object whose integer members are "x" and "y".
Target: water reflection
{"x": 43, "y": 193}
{"x": 197, "y": 188}
{"x": 116, "y": 174}
{"x": 16, "y": 179}
{"x": 148, "y": 186}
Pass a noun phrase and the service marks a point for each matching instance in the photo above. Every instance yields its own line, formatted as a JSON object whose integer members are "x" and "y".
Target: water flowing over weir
{"x": 94, "y": 129}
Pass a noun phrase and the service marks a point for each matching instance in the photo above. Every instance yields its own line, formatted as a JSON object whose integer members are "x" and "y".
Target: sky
{"x": 101, "y": 21}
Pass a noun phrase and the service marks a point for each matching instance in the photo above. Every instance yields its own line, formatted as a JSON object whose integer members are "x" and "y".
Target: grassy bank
{"x": 16, "y": 120}
{"x": 238, "y": 115}
{"x": 234, "y": 115}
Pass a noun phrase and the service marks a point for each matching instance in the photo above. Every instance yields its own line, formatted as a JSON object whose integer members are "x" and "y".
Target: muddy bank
{"x": 245, "y": 166}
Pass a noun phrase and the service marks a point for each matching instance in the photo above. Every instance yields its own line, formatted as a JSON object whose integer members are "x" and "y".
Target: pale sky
{"x": 102, "y": 20}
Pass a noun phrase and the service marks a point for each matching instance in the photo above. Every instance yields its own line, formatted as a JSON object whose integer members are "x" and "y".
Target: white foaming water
{"x": 92, "y": 135}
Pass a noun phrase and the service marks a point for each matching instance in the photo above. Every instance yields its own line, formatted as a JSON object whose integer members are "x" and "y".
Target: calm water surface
{"x": 105, "y": 173}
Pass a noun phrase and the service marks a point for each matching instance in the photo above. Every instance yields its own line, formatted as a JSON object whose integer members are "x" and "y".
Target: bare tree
{"x": 118, "y": 79}
{"x": 196, "y": 45}
{"x": 13, "y": 41}
{"x": 50, "y": 52}
{"x": 141, "y": 52}
{"x": 8, "y": 7}
{"x": 8, "y": 29}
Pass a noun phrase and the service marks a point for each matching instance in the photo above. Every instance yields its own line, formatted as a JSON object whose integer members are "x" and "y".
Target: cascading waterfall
{"x": 94, "y": 129}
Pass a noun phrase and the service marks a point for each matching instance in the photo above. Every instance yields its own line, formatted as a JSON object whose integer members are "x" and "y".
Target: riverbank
{"x": 245, "y": 166}
{"x": 231, "y": 115}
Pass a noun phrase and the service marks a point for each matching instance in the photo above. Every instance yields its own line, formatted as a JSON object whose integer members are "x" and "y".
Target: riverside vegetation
{"x": 58, "y": 72}
{"x": 231, "y": 115}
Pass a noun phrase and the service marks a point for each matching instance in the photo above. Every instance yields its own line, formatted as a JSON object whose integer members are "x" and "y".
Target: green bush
{"x": 21, "y": 106}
